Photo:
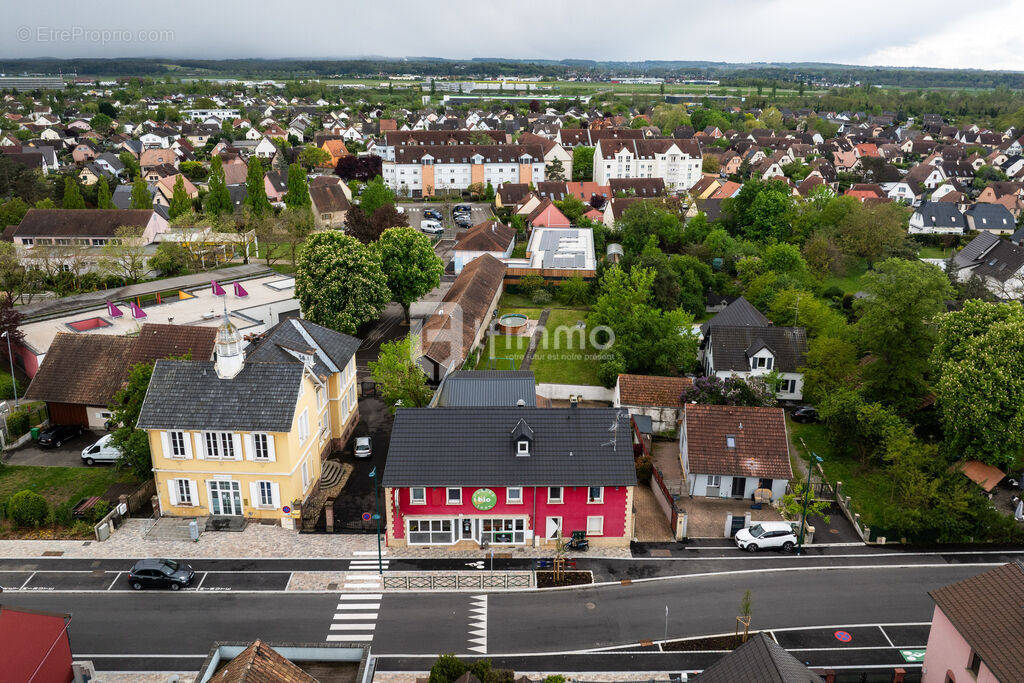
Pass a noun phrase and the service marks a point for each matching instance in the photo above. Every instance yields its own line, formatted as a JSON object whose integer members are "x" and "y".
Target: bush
{"x": 541, "y": 297}
{"x": 100, "y": 510}
{"x": 574, "y": 291}
{"x": 530, "y": 284}
{"x": 63, "y": 514}
{"x": 18, "y": 422}
{"x": 834, "y": 293}
{"x": 27, "y": 508}
{"x": 447, "y": 668}
{"x": 644, "y": 469}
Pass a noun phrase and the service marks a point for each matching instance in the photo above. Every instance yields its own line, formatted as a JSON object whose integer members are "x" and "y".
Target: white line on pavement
{"x": 200, "y": 584}
{"x": 356, "y": 615}
{"x": 353, "y": 627}
{"x": 347, "y": 637}
{"x": 361, "y": 596}
{"x": 886, "y": 636}
{"x": 116, "y": 577}
{"x": 27, "y": 580}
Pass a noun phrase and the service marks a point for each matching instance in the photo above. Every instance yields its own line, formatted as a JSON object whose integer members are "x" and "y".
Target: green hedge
{"x": 24, "y": 418}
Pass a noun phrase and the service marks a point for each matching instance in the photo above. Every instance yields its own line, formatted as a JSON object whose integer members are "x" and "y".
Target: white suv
{"x": 766, "y": 535}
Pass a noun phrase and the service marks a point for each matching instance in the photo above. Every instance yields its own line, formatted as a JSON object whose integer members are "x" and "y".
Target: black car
{"x": 160, "y": 574}
{"x": 56, "y": 436}
{"x": 805, "y": 414}
{"x": 433, "y": 214}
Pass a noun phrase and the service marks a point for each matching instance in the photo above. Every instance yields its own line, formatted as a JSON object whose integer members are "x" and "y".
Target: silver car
{"x": 363, "y": 449}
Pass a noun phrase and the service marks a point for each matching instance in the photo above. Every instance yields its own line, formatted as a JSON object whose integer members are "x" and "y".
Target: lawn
{"x": 851, "y": 282}
{"x": 498, "y": 348}
{"x": 568, "y": 357}
{"x": 59, "y": 484}
{"x": 934, "y": 252}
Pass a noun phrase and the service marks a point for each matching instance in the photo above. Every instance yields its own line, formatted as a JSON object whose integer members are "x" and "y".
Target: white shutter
{"x": 165, "y": 444}
{"x": 200, "y": 446}
{"x": 270, "y": 448}
{"x": 236, "y": 440}
{"x": 193, "y": 491}
{"x": 250, "y": 452}
{"x": 254, "y": 494}
{"x": 275, "y": 493}
{"x": 172, "y": 488}
{"x": 187, "y": 440}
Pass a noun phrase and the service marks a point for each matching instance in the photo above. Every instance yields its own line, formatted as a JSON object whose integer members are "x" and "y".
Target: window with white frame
{"x": 184, "y": 491}
{"x": 305, "y": 475}
{"x": 554, "y": 494}
{"x": 454, "y": 495}
{"x": 266, "y": 494}
{"x": 321, "y": 397}
{"x": 595, "y": 525}
{"x": 417, "y": 495}
{"x": 431, "y": 532}
{"x": 514, "y": 495}
{"x": 219, "y": 445}
{"x": 304, "y": 426}
{"x": 177, "y": 443}
{"x": 261, "y": 447}
{"x": 595, "y": 494}
{"x": 714, "y": 480}
{"x": 523, "y": 447}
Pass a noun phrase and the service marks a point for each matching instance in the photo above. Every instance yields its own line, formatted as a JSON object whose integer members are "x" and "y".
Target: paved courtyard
{"x": 705, "y": 517}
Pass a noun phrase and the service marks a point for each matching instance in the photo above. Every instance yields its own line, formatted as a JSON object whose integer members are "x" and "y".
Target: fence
{"x": 140, "y": 497}
{"x": 127, "y": 504}
{"x": 666, "y": 501}
{"x": 23, "y": 418}
{"x": 587, "y": 392}
{"x": 444, "y": 581}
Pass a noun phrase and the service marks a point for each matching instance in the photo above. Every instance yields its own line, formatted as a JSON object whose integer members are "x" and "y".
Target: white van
{"x": 101, "y": 451}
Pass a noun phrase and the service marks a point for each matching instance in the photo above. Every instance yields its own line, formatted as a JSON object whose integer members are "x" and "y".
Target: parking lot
{"x": 68, "y": 455}
{"x": 481, "y": 211}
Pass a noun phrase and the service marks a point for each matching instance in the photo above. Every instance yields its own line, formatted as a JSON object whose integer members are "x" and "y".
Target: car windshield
{"x": 757, "y": 531}
{"x": 168, "y": 567}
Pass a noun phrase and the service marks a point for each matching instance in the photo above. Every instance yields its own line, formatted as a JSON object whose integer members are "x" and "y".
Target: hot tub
{"x": 512, "y": 323}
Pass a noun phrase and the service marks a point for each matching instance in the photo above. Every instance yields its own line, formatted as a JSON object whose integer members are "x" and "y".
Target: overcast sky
{"x": 936, "y": 33}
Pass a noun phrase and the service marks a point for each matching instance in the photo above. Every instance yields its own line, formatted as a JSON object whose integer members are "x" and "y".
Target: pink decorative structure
{"x": 113, "y": 311}
{"x": 217, "y": 289}
{"x": 239, "y": 290}
{"x": 137, "y": 312}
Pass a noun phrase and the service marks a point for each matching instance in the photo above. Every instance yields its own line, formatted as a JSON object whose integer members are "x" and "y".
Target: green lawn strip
{"x": 531, "y": 313}
{"x": 501, "y": 347}
{"x": 849, "y": 283}
{"x": 933, "y": 252}
{"x": 567, "y": 359}
{"x": 59, "y": 484}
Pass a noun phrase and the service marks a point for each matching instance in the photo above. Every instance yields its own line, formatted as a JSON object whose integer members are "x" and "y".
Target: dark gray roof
{"x": 1001, "y": 262}
{"x": 331, "y": 350}
{"x": 488, "y": 388}
{"x": 731, "y": 347}
{"x": 990, "y": 217}
{"x": 759, "y": 660}
{"x": 470, "y": 446}
{"x": 189, "y": 395}
{"x": 974, "y": 249}
{"x": 739, "y": 313}
{"x": 941, "y": 214}
{"x": 644, "y": 424}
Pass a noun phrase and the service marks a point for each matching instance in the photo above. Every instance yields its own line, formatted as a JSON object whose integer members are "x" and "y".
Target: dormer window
{"x": 523, "y": 447}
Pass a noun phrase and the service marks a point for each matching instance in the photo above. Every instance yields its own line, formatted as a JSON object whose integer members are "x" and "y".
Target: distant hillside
{"x": 729, "y": 73}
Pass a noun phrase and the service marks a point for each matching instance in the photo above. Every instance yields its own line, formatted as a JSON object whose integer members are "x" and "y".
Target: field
{"x": 59, "y": 484}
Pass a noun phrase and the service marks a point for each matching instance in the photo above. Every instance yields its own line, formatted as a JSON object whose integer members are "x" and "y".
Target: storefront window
{"x": 431, "y": 532}
{"x": 503, "y": 531}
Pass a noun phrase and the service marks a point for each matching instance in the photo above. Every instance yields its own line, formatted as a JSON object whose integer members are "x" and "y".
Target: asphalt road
{"x": 140, "y": 630}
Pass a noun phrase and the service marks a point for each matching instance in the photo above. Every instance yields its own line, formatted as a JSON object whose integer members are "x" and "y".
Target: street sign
{"x": 843, "y": 636}
{"x": 367, "y": 516}
{"x": 912, "y": 656}
{"x": 286, "y": 509}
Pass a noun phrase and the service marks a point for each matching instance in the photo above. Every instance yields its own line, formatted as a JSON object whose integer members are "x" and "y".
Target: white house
{"x": 424, "y": 170}
{"x": 490, "y": 237}
{"x": 678, "y": 162}
{"x": 936, "y": 218}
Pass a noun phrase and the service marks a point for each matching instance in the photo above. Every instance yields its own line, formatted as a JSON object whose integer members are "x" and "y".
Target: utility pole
{"x": 376, "y": 516}
{"x": 807, "y": 498}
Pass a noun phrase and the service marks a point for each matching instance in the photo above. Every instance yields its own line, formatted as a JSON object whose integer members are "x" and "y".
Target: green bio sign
{"x": 484, "y": 499}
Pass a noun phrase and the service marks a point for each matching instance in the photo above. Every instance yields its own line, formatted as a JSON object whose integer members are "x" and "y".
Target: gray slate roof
{"x": 331, "y": 350}
{"x": 488, "y": 388}
{"x": 731, "y": 347}
{"x": 189, "y": 395}
{"x": 759, "y": 660}
{"x": 941, "y": 214}
{"x": 974, "y": 249}
{"x": 475, "y": 447}
{"x": 740, "y": 313}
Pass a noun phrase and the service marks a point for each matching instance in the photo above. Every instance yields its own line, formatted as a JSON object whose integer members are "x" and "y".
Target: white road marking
{"x": 27, "y": 580}
{"x": 478, "y": 623}
{"x": 356, "y": 615}
{"x": 347, "y": 637}
{"x": 887, "y": 638}
{"x": 116, "y": 577}
{"x": 200, "y": 584}
{"x": 353, "y": 627}
{"x": 365, "y": 613}
{"x": 361, "y": 596}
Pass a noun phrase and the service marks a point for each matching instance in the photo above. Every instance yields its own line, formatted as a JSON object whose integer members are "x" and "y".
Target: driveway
{"x": 481, "y": 211}
{"x": 356, "y": 498}
{"x": 68, "y": 455}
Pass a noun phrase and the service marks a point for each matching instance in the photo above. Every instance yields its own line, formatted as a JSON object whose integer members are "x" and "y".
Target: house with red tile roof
{"x": 659, "y": 398}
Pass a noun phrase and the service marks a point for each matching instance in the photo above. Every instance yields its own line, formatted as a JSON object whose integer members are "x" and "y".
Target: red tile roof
{"x": 649, "y": 390}
{"x": 761, "y": 443}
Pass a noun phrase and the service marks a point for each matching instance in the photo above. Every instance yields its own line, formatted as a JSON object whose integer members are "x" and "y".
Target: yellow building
{"x": 247, "y": 434}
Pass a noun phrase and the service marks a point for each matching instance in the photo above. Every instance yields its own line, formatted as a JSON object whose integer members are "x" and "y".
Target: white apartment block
{"x": 421, "y": 171}
{"x": 678, "y": 162}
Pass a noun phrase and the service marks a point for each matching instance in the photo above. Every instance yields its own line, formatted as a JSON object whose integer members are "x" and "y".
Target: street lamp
{"x": 376, "y": 516}
{"x": 10, "y": 357}
{"x": 807, "y": 497}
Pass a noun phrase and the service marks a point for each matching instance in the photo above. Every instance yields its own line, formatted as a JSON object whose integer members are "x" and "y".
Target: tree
{"x": 339, "y": 282}
{"x": 131, "y": 164}
{"x": 896, "y": 328}
{"x": 72, "y": 195}
{"x": 830, "y": 365}
{"x": 125, "y": 255}
{"x": 218, "y": 199}
{"x": 298, "y": 223}
{"x": 582, "y": 163}
{"x": 873, "y": 231}
{"x": 555, "y": 171}
{"x": 798, "y": 308}
{"x": 101, "y": 123}
{"x": 103, "y": 200}
{"x": 368, "y": 228}
{"x": 760, "y": 211}
{"x": 398, "y": 376}
{"x": 17, "y": 283}
{"x": 180, "y": 202}
{"x": 363, "y": 169}
{"x": 979, "y": 361}
{"x": 141, "y": 198}
{"x": 298, "y": 189}
{"x": 256, "y": 192}
{"x": 312, "y": 157}
{"x": 668, "y": 117}
{"x": 375, "y": 195}
{"x": 642, "y": 338}
{"x": 574, "y": 291}
{"x": 729, "y": 391}
{"x": 646, "y": 219}
{"x": 772, "y": 118}
{"x": 12, "y": 211}
{"x": 409, "y": 263}
{"x": 127, "y": 438}
{"x": 170, "y": 258}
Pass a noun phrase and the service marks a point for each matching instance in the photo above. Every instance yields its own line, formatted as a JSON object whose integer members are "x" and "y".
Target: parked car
{"x": 805, "y": 414}
{"x": 363, "y": 448}
{"x": 431, "y": 227}
{"x": 56, "y": 436}
{"x": 462, "y": 208}
{"x": 160, "y": 573}
{"x": 463, "y": 220}
{"x": 433, "y": 214}
{"x": 766, "y": 535}
{"x": 103, "y": 450}
{"x": 399, "y": 208}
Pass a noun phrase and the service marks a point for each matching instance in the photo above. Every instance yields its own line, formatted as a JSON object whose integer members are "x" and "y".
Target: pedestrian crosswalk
{"x": 355, "y": 618}
{"x": 364, "y": 575}
{"x": 366, "y": 565}
{"x": 478, "y": 624}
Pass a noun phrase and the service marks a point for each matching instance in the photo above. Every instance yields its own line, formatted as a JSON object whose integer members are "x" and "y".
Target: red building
{"x": 35, "y": 646}
{"x": 468, "y": 476}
